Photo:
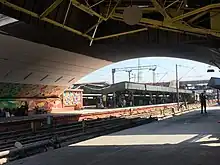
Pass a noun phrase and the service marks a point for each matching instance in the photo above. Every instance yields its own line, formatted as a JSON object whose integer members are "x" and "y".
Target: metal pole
{"x": 129, "y": 75}
{"x": 138, "y": 76}
{"x": 113, "y": 76}
{"x": 93, "y": 35}
{"x": 177, "y": 87}
{"x": 113, "y": 82}
{"x": 218, "y": 96}
{"x": 154, "y": 77}
{"x": 67, "y": 11}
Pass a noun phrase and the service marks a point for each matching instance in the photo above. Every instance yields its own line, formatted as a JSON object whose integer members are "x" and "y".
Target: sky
{"x": 165, "y": 71}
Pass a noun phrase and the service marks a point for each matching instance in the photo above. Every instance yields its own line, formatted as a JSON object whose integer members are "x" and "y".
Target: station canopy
{"x": 214, "y": 82}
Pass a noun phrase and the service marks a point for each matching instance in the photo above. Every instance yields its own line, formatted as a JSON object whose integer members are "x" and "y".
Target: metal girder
{"x": 91, "y": 28}
{"x": 171, "y": 4}
{"x": 120, "y": 34}
{"x": 196, "y": 11}
{"x": 150, "y": 9}
{"x": 44, "y": 18}
{"x": 97, "y": 3}
{"x": 197, "y": 17}
{"x": 162, "y": 28}
{"x": 18, "y": 8}
{"x": 92, "y": 12}
{"x": 50, "y": 8}
{"x": 113, "y": 10}
{"x": 161, "y": 9}
{"x": 174, "y": 26}
{"x": 87, "y": 9}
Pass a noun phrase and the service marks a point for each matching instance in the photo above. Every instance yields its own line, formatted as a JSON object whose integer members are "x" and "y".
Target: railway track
{"x": 54, "y": 137}
{"x": 26, "y": 137}
{"x": 59, "y": 135}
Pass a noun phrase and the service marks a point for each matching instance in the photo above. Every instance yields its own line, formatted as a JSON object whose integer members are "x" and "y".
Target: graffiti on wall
{"x": 47, "y": 104}
{"x": 11, "y": 90}
{"x": 10, "y": 104}
{"x": 72, "y": 98}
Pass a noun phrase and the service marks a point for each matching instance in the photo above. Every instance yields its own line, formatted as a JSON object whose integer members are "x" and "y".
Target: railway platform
{"x": 61, "y": 117}
{"x": 191, "y": 139}
{"x": 87, "y": 113}
{"x": 92, "y": 112}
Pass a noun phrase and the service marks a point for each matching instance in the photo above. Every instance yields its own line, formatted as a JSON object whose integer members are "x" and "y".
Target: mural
{"x": 47, "y": 104}
{"x": 73, "y": 98}
{"x": 10, "y": 104}
{"x": 10, "y": 90}
{"x": 69, "y": 98}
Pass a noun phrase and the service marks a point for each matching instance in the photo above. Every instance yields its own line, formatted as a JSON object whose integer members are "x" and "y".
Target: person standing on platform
{"x": 203, "y": 102}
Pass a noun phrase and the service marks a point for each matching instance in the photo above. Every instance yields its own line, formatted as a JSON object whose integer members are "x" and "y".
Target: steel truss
{"x": 175, "y": 16}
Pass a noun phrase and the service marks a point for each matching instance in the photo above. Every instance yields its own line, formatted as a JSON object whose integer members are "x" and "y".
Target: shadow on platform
{"x": 191, "y": 139}
{"x": 201, "y": 153}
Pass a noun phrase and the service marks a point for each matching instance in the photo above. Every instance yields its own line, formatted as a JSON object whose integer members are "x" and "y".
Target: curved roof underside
{"x": 49, "y": 57}
{"x": 31, "y": 69}
{"x": 51, "y": 70}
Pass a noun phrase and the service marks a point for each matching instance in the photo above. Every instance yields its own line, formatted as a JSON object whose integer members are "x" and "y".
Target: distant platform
{"x": 104, "y": 110}
{"x": 86, "y": 113}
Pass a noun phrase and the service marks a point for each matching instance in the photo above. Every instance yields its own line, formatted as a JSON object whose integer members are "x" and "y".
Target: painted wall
{"x": 69, "y": 98}
{"x": 47, "y": 104}
{"x": 10, "y": 90}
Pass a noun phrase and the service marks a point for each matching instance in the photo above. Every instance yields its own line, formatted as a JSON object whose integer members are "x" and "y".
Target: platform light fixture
{"x": 210, "y": 70}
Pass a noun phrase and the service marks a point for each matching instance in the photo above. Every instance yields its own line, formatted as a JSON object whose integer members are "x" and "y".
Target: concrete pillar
{"x": 157, "y": 98}
{"x": 164, "y": 98}
{"x": 151, "y": 98}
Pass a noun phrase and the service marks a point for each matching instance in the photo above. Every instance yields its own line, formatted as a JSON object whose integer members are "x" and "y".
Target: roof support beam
{"x": 197, "y": 17}
{"x": 50, "y": 8}
{"x": 120, "y": 34}
{"x": 92, "y": 12}
{"x": 23, "y": 10}
{"x": 174, "y": 26}
{"x": 160, "y": 9}
{"x": 196, "y": 11}
{"x": 87, "y": 9}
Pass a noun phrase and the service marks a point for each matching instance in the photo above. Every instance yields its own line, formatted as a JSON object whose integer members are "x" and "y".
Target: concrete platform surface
{"x": 190, "y": 139}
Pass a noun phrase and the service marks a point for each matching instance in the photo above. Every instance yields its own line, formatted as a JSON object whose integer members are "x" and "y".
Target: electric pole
{"x": 113, "y": 81}
{"x": 177, "y": 87}
{"x": 113, "y": 76}
{"x": 130, "y": 69}
{"x": 154, "y": 77}
{"x": 129, "y": 75}
{"x": 138, "y": 75}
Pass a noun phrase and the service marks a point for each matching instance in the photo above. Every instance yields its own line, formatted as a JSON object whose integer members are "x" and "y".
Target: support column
{"x": 151, "y": 98}
{"x": 157, "y": 97}
{"x": 113, "y": 82}
{"x": 163, "y": 99}
{"x": 218, "y": 96}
